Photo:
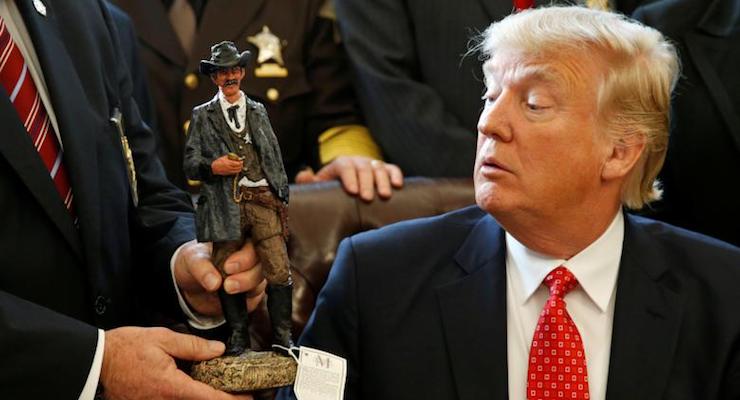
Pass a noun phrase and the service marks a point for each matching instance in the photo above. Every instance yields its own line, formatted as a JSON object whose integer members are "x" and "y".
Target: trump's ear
{"x": 623, "y": 156}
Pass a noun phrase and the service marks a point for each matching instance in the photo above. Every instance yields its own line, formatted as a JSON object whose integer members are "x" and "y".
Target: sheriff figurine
{"x": 232, "y": 150}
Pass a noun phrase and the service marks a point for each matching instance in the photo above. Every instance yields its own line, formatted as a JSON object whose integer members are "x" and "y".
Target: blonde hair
{"x": 634, "y": 96}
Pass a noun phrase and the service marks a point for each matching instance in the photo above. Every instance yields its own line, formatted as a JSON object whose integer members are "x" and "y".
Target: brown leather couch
{"x": 321, "y": 215}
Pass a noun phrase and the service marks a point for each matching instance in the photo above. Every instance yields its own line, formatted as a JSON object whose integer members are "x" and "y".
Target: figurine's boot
{"x": 237, "y": 318}
{"x": 280, "y": 307}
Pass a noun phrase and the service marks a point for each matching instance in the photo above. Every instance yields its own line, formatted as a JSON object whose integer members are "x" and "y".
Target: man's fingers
{"x": 187, "y": 347}
{"x": 348, "y": 176}
{"x": 382, "y": 180}
{"x": 366, "y": 179}
{"x": 363, "y": 176}
{"x": 254, "y": 300}
{"x": 244, "y": 281}
{"x": 193, "y": 268}
{"x": 396, "y": 175}
{"x": 205, "y": 273}
{"x": 241, "y": 260}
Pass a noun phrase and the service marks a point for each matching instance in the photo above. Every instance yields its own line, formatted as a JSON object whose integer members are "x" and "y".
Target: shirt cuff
{"x": 91, "y": 385}
{"x": 347, "y": 140}
{"x": 195, "y": 320}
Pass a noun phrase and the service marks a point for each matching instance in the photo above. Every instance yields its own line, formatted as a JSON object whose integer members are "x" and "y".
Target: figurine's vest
{"x": 252, "y": 167}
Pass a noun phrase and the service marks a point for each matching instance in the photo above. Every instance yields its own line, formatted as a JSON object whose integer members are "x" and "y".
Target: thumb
{"x": 305, "y": 176}
{"x": 189, "y": 347}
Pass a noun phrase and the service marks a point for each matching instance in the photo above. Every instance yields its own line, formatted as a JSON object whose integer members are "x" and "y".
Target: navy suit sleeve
{"x": 163, "y": 219}
{"x": 333, "y": 326}
{"x": 31, "y": 339}
{"x": 406, "y": 116}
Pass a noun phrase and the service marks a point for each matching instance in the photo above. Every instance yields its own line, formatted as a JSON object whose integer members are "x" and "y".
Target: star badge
{"x": 270, "y": 56}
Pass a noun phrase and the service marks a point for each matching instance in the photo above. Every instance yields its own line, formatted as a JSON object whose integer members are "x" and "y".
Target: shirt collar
{"x": 595, "y": 267}
{"x": 242, "y": 102}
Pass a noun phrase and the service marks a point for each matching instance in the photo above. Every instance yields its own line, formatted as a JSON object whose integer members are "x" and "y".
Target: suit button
{"x": 101, "y": 305}
{"x": 193, "y": 183}
{"x": 273, "y": 94}
{"x": 185, "y": 127}
{"x": 191, "y": 81}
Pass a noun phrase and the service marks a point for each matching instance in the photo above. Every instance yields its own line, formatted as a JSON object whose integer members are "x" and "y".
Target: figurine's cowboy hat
{"x": 224, "y": 55}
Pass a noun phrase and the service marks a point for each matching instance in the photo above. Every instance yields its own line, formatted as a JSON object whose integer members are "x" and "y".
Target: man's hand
{"x": 225, "y": 166}
{"x": 359, "y": 175}
{"x": 198, "y": 279}
{"x": 139, "y": 363}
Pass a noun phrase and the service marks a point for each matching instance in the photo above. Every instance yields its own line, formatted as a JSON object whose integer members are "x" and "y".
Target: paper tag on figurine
{"x": 320, "y": 376}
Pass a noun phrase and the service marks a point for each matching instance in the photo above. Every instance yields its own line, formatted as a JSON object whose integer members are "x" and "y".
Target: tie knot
{"x": 232, "y": 109}
{"x": 560, "y": 281}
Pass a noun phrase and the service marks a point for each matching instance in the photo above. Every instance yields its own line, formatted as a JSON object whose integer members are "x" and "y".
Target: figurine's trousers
{"x": 261, "y": 221}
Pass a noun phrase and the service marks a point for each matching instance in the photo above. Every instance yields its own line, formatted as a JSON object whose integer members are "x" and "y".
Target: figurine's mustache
{"x": 231, "y": 82}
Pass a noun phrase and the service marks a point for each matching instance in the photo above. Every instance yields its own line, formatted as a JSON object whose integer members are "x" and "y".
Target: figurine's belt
{"x": 252, "y": 193}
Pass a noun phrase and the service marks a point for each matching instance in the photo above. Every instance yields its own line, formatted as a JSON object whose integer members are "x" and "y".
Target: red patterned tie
{"x": 557, "y": 362}
{"x": 16, "y": 78}
{"x": 523, "y": 4}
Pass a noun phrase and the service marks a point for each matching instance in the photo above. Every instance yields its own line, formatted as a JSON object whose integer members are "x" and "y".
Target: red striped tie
{"x": 523, "y": 4}
{"x": 16, "y": 78}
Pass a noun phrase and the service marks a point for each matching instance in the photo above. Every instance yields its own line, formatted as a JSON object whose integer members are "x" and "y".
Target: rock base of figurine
{"x": 246, "y": 372}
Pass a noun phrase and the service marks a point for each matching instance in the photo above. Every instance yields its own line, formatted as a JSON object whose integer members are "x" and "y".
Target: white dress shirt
{"x": 590, "y": 304}
{"x": 17, "y": 28}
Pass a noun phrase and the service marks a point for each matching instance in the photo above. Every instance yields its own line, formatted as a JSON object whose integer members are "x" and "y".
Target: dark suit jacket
{"x": 702, "y": 167}
{"x": 419, "y": 311}
{"x": 316, "y": 94}
{"x": 208, "y": 139}
{"x": 57, "y": 282}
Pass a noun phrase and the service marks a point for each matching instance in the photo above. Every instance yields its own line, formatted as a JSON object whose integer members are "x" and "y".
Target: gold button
{"x": 191, "y": 81}
{"x": 185, "y": 127}
{"x": 193, "y": 183}
{"x": 273, "y": 94}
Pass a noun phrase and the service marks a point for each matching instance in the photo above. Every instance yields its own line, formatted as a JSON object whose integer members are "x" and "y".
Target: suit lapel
{"x": 18, "y": 150}
{"x": 218, "y": 121}
{"x": 153, "y": 27}
{"x": 76, "y": 128}
{"x": 714, "y": 29}
{"x": 473, "y": 312}
{"x": 647, "y": 320}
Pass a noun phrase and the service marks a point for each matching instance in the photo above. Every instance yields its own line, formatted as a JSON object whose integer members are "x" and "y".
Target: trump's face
{"x": 540, "y": 144}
